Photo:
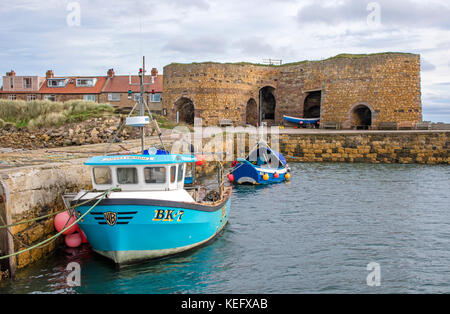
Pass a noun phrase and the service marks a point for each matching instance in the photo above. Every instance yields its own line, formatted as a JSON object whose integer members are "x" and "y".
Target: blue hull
{"x": 128, "y": 233}
{"x": 246, "y": 173}
{"x": 302, "y": 121}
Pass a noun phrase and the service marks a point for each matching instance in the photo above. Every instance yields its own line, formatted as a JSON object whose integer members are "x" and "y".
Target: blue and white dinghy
{"x": 263, "y": 165}
{"x": 139, "y": 207}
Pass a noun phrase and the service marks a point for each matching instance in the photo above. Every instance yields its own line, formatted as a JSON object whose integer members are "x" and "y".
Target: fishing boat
{"x": 139, "y": 207}
{"x": 263, "y": 165}
{"x": 303, "y": 121}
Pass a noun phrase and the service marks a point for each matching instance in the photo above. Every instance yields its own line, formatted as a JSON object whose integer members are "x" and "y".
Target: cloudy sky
{"x": 87, "y": 37}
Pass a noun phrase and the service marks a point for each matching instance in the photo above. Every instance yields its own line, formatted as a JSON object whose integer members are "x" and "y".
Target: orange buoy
{"x": 287, "y": 176}
{"x": 266, "y": 176}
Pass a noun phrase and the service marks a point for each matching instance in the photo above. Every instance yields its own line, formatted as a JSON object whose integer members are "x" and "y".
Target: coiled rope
{"x": 101, "y": 197}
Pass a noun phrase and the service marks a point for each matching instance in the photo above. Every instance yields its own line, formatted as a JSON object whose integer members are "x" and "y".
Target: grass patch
{"x": 340, "y": 56}
{"x": 38, "y": 114}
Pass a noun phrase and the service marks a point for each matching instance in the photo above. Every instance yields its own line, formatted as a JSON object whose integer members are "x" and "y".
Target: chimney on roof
{"x": 49, "y": 74}
{"x": 111, "y": 73}
{"x": 12, "y": 73}
{"x": 154, "y": 72}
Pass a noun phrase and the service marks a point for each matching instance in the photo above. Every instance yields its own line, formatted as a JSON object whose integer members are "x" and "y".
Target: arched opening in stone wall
{"x": 362, "y": 117}
{"x": 311, "y": 107}
{"x": 251, "y": 112}
{"x": 267, "y": 103}
{"x": 184, "y": 110}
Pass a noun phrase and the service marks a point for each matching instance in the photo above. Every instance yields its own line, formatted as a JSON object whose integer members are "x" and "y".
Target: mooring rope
{"x": 45, "y": 216}
{"x": 102, "y": 196}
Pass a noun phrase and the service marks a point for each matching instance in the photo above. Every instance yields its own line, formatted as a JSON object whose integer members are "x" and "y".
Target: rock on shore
{"x": 92, "y": 131}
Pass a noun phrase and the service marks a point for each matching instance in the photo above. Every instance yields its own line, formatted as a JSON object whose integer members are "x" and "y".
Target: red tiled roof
{"x": 120, "y": 84}
{"x": 71, "y": 87}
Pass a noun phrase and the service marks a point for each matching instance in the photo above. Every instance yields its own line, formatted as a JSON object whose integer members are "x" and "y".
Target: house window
{"x": 50, "y": 97}
{"x": 56, "y": 82}
{"x": 155, "y": 98}
{"x": 27, "y": 82}
{"x": 31, "y": 97}
{"x": 11, "y": 82}
{"x": 89, "y": 98}
{"x": 86, "y": 82}
{"x": 114, "y": 97}
{"x": 12, "y": 97}
{"x": 136, "y": 96}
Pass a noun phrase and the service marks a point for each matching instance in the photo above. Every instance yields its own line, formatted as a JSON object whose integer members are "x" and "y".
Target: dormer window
{"x": 86, "y": 82}
{"x": 56, "y": 82}
{"x": 27, "y": 82}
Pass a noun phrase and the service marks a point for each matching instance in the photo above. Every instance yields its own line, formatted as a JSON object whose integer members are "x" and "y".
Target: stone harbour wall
{"x": 371, "y": 147}
{"x": 34, "y": 191}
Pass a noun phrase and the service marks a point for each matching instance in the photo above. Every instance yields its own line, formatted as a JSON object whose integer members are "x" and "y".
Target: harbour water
{"x": 315, "y": 234}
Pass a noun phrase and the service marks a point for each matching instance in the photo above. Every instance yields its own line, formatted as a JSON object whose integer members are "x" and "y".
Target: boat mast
{"x": 141, "y": 101}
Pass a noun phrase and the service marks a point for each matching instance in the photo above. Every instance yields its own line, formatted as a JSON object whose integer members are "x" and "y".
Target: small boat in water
{"x": 263, "y": 165}
{"x": 146, "y": 205}
{"x": 151, "y": 214}
{"x": 302, "y": 121}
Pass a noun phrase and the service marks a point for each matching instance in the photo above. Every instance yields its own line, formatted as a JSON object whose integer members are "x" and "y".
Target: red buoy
{"x": 276, "y": 175}
{"x": 200, "y": 160}
{"x": 230, "y": 177}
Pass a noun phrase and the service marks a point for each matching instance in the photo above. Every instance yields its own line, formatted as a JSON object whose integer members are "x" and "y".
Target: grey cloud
{"x": 399, "y": 13}
{"x": 427, "y": 66}
{"x": 254, "y": 46}
{"x": 202, "y": 45}
{"x": 201, "y": 4}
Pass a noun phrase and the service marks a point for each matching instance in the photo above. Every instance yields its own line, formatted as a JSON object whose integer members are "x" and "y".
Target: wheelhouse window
{"x": 102, "y": 175}
{"x": 180, "y": 173}
{"x": 173, "y": 170}
{"x": 127, "y": 176}
{"x": 155, "y": 175}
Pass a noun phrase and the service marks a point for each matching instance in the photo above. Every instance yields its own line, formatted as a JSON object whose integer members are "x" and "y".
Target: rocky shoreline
{"x": 91, "y": 131}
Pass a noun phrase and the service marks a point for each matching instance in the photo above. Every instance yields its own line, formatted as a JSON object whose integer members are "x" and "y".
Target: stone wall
{"x": 369, "y": 147}
{"x": 35, "y": 191}
{"x": 387, "y": 84}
